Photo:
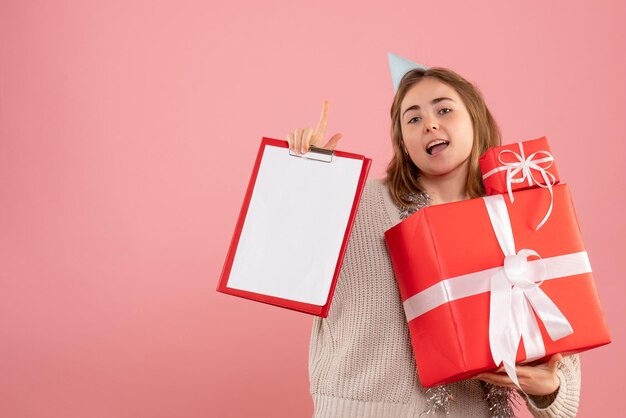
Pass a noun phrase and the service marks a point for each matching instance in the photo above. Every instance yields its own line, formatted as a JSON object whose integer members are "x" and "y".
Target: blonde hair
{"x": 402, "y": 174}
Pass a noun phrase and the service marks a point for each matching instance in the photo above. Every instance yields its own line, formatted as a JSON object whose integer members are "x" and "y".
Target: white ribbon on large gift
{"x": 515, "y": 293}
{"x": 524, "y": 167}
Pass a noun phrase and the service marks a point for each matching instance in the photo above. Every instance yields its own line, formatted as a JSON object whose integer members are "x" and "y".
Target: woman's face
{"x": 432, "y": 112}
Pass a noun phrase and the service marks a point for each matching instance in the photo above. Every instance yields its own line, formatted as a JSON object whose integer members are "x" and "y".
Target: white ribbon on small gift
{"x": 524, "y": 167}
{"x": 515, "y": 294}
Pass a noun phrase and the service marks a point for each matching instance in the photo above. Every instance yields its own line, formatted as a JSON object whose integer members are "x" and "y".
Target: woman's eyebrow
{"x": 433, "y": 101}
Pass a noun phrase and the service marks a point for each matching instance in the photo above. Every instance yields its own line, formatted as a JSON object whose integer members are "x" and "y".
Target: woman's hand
{"x": 300, "y": 139}
{"x": 540, "y": 379}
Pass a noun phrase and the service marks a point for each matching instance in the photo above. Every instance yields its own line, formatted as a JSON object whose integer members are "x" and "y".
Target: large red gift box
{"x": 524, "y": 163}
{"x": 445, "y": 258}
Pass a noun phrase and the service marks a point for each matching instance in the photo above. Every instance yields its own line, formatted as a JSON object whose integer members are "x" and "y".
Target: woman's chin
{"x": 442, "y": 168}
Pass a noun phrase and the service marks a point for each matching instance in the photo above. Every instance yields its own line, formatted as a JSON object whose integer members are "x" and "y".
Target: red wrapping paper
{"x": 496, "y": 183}
{"x": 451, "y": 342}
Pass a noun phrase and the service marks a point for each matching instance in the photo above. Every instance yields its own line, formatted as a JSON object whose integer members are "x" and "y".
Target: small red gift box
{"x": 518, "y": 166}
{"x": 466, "y": 285}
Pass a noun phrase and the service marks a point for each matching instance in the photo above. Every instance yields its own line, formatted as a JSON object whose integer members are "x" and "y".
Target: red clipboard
{"x": 293, "y": 228}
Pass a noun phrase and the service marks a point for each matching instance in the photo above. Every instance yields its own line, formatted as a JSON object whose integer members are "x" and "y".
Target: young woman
{"x": 361, "y": 362}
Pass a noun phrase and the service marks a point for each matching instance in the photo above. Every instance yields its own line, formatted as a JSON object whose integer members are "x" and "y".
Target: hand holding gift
{"x": 540, "y": 379}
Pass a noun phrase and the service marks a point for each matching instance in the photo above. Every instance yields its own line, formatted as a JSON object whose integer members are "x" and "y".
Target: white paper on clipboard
{"x": 295, "y": 225}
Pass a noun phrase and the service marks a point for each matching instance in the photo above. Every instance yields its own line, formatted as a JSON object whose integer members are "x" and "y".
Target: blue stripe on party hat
{"x": 399, "y": 66}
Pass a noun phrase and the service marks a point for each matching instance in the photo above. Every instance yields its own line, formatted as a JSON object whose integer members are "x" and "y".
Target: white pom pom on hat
{"x": 399, "y": 66}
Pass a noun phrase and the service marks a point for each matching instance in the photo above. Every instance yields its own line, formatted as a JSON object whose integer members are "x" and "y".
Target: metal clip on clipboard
{"x": 316, "y": 153}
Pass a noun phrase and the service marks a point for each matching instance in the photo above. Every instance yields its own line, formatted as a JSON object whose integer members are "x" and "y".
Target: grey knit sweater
{"x": 361, "y": 363}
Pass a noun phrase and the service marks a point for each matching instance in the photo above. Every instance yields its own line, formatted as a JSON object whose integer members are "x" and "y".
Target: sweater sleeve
{"x": 565, "y": 404}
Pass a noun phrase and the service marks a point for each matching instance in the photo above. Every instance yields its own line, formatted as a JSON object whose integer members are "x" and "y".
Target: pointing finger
{"x": 320, "y": 131}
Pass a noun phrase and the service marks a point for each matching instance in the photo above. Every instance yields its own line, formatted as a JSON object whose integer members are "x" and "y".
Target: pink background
{"x": 128, "y": 131}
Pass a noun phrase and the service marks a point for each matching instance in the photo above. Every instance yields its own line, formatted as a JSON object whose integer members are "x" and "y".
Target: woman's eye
{"x": 445, "y": 110}
{"x": 415, "y": 119}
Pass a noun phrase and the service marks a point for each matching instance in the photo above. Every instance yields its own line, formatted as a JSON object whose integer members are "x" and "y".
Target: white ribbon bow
{"x": 525, "y": 167}
{"x": 514, "y": 294}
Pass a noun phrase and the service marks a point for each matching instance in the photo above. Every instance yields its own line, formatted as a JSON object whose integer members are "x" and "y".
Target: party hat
{"x": 399, "y": 66}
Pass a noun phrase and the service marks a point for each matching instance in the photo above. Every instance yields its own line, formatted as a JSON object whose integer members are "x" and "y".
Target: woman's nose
{"x": 430, "y": 126}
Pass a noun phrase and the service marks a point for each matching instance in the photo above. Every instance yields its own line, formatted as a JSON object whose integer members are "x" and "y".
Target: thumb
{"x": 554, "y": 360}
{"x": 332, "y": 142}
